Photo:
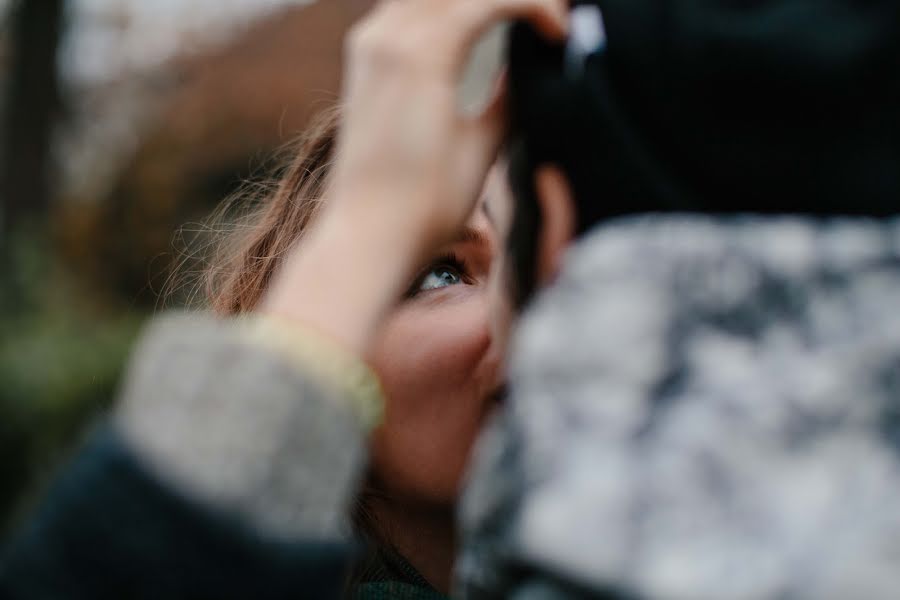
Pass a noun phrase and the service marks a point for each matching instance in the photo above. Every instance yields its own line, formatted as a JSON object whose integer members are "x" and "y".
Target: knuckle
{"x": 468, "y": 12}
{"x": 376, "y": 47}
{"x": 358, "y": 38}
{"x": 373, "y": 31}
{"x": 397, "y": 36}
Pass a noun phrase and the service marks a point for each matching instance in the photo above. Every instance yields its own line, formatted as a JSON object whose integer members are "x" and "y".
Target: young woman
{"x": 237, "y": 454}
{"x": 437, "y": 361}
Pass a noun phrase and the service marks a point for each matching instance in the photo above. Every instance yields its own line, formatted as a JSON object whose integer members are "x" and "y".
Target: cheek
{"x": 422, "y": 350}
{"x": 436, "y": 373}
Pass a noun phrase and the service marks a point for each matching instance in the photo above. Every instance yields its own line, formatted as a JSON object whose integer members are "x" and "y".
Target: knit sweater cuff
{"x": 242, "y": 427}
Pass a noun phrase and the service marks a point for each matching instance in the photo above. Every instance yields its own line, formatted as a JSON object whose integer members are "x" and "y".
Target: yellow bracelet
{"x": 317, "y": 355}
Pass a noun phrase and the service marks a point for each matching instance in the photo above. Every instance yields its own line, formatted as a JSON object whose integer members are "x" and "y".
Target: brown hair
{"x": 254, "y": 229}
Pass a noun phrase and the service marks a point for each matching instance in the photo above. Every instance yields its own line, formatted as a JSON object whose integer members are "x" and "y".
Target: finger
{"x": 494, "y": 115}
{"x": 475, "y": 17}
{"x": 446, "y": 30}
{"x": 482, "y": 136}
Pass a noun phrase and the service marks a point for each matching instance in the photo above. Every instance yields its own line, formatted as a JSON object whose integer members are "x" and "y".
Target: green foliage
{"x": 60, "y": 359}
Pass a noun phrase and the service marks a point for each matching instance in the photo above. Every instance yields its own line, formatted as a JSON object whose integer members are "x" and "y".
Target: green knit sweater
{"x": 390, "y": 577}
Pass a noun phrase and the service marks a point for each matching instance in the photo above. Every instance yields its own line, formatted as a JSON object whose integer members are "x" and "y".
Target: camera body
{"x": 764, "y": 107}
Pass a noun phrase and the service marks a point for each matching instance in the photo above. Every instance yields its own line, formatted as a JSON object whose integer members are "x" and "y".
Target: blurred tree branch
{"x": 31, "y": 108}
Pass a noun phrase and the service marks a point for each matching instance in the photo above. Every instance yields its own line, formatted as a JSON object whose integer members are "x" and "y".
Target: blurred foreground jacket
{"x": 224, "y": 473}
{"x": 706, "y": 407}
{"x": 701, "y": 408}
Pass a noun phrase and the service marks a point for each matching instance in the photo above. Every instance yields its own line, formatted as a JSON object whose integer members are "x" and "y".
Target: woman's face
{"x": 440, "y": 363}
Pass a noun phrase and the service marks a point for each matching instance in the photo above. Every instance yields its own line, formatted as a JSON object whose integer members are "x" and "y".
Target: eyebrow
{"x": 470, "y": 235}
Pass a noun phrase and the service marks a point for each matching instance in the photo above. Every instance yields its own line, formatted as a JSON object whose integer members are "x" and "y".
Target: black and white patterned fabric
{"x": 700, "y": 409}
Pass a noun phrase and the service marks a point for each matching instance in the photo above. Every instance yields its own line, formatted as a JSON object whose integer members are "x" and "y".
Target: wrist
{"x": 399, "y": 214}
{"x": 350, "y": 268}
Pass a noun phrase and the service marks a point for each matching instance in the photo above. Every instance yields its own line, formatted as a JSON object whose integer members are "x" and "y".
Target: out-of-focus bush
{"x": 195, "y": 128}
{"x": 228, "y": 110}
{"x": 60, "y": 359}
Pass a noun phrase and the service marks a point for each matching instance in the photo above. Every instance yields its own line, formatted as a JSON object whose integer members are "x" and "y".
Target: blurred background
{"x": 124, "y": 123}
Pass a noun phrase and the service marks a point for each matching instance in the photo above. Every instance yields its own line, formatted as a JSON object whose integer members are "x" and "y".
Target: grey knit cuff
{"x": 240, "y": 428}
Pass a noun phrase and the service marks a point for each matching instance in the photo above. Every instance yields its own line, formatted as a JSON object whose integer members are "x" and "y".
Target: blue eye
{"x": 438, "y": 277}
{"x": 443, "y": 272}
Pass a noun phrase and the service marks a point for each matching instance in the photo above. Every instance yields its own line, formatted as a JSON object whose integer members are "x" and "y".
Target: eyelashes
{"x": 454, "y": 271}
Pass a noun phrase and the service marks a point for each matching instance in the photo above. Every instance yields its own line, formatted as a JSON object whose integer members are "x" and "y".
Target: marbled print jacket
{"x": 701, "y": 408}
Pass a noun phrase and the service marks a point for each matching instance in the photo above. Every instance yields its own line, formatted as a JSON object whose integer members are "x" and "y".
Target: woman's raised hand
{"x": 403, "y": 134}
{"x": 409, "y": 166}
